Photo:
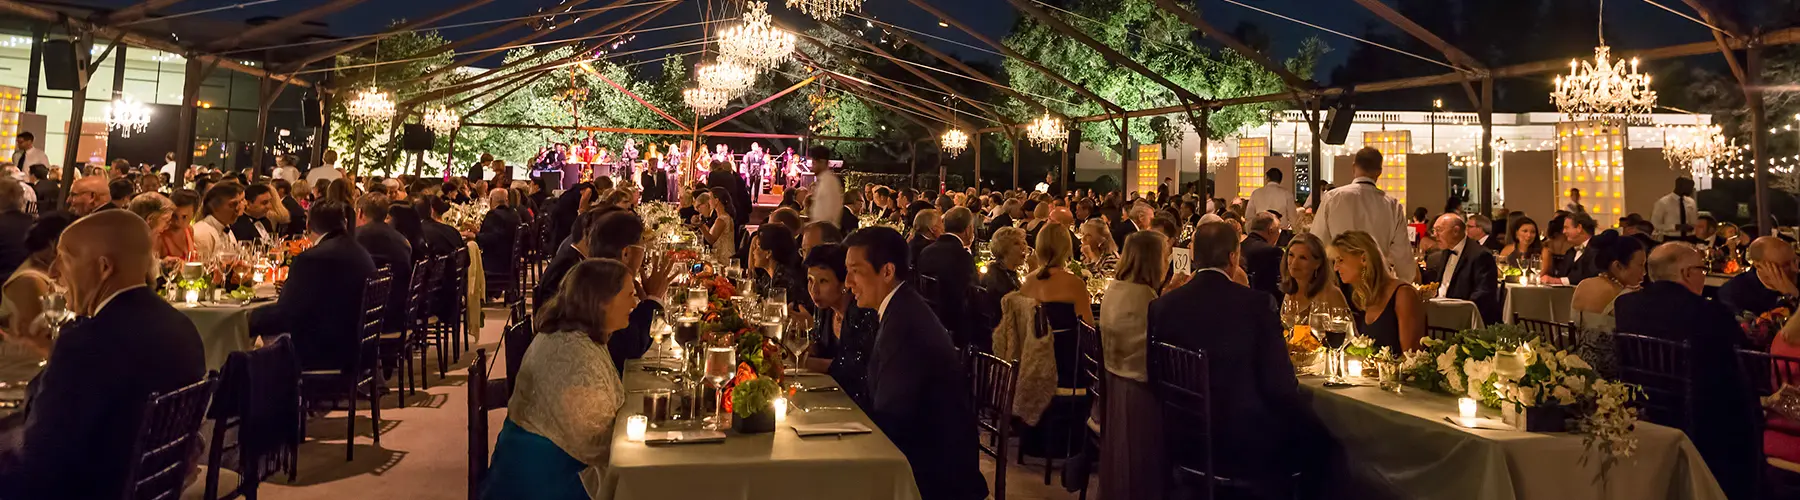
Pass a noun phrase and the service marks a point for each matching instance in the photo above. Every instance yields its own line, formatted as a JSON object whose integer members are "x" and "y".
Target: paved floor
{"x": 424, "y": 448}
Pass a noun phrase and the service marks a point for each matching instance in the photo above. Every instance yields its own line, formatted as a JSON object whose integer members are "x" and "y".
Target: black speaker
{"x": 417, "y": 138}
{"x": 552, "y": 178}
{"x": 1074, "y": 140}
{"x": 62, "y": 65}
{"x": 1337, "y": 123}
{"x": 311, "y": 115}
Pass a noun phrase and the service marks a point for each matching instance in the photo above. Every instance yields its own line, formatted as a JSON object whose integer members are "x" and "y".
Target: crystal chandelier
{"x": 1605, "y": 91}
{"x": 441, "y": 119}
{"x": 954, "y": 142}
{"x": 726, "y": 77}
{"x": 704, "y": 101}
{"x": 756, "y": 42}
{"x": 1046, "y": 132}
{"x": 370, "y": 106}
{"x": 1217, "y": 155}
{"x": 1684, "y": 145}
{"x": 824, "y": 10}
{"x": 128, "y": 115}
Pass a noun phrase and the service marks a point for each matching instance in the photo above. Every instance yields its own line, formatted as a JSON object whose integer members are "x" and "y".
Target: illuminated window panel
{"x": 12, "y": 101}
{"x": 1149, "y": 158}
{"x": 1394, "y": 145}
{"x": 1252, "y": 153}
{"x": 1591, "y": 157}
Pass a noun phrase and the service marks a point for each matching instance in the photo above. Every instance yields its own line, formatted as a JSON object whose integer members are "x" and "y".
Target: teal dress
{"x": 527, "y": 466}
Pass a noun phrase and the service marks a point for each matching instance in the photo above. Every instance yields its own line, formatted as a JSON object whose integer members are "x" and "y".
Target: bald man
{"x": 1463, "y": 269}
{"x": 81, "y": 416}
{"x": 89, "y": 194}
{"x": 1770, "y": 278}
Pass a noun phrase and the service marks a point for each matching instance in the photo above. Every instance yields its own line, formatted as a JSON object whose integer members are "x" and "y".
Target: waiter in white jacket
{"x": 1674, "y": 213}
{"x": 828, "y": 191}
{"x": 1361, "y": 206}
{"x": 1273, "y": 197}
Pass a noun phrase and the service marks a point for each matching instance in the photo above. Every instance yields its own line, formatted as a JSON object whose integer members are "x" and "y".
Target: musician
{"x": 628, "y": 157}
{"x": 784, "y": 169}
{"x": 754, "y": 162}
{"x": 571, "y": 171}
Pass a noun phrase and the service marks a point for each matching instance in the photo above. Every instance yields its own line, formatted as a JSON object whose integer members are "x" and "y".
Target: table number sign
{"x": 1179, "y": 259}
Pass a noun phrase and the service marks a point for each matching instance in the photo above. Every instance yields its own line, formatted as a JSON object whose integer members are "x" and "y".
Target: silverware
{"x": 828, "y": 388}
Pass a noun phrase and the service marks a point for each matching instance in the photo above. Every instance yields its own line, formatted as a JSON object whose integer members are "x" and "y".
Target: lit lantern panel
{"x": 1252, "y": 153}
{"x": 1591, "y": 157}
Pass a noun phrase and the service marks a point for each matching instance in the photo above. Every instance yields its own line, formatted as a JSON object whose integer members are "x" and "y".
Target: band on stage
{"x": 658, "y": 164}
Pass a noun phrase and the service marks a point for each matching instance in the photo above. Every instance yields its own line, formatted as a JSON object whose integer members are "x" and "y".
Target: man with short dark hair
{"x": 320, "y": 305}
{"x": 26, "y": 153}
{"x": 49, "y": 191}
{"x": 1259, "y": 416}
{"x": 912, "y": 361}
{"x": 223, "y": 204}
{"x": 389, "y": 248}
{"x": 1272, "y": 196}
{"x": 947, "y": 259}
{"x": 1577, "y": 230}
{"x": 254, "y": 225}
{"x": 1673, "y": 214}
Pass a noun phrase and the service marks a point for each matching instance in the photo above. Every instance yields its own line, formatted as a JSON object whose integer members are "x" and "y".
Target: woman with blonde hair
{"x": 1045, "y": 359}
{"x": 1385, "y": 308}
{"x": 1130, "y": 451}
{"x": 1098, "y": 252}
{"x": 559, "y": 421}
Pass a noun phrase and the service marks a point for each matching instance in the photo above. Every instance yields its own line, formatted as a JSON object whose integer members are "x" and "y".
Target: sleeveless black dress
{"x": 1385, "y": 330}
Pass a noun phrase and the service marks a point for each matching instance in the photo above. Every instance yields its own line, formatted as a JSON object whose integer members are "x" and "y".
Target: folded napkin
{"x": 831, "y": 429}
{"x": 1492, "y": 424}
{"x": 682, "y": 437}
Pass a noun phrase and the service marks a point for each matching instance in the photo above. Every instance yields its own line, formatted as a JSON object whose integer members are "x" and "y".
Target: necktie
{"x": 1681, "y": 208}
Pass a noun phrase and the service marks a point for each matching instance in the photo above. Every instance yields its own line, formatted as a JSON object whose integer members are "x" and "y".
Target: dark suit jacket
{"x": 49, "y": 195}
{"x": 1004, "y": 220}
{"x": 82, "y": 413}
{"x": 1745, "y": 293}
{"x": 388, "y": 248}
{"x": 244, "y": 229}
{"x": 915, "y": 376}
{"x": 566, "y": 258}
{"x": 1262, "y": 263}
{"x": 914, "y": 209}
{"x": 1723, "y": 410}
{"x": 441, "y": 239}
{"x": 496, "y": 239}
{"x": 1493, "y": 243}
{"x": 296, "y": 225}
{"x": 1120, "y": 230}
{"x": 1475, "y": 279}
{"x": 1577, "y": 269}
{"x": 321, "y": 304}
{"x": 1259, "y": 418}
{"x": 564, "y": 211}
{"x": 914, "y": 245}
{"x": 13, "y": 227}
{"x": 740, "y": 193}
{"x": 954, "y": 268}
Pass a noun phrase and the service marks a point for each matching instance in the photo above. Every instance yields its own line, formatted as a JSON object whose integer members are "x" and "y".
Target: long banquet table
{"x": 773, "y": 466}
{"x": 224, "y": 329}
{"x": 1403, "y": 441}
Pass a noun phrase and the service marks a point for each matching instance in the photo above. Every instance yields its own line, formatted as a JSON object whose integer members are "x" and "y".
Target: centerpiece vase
{"x": 762, "y": 422}
{"x": 1537, "y": 418}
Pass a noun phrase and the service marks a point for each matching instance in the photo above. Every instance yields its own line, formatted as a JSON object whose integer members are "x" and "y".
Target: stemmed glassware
{"x": 1331, "y": 327}
{"x": 721, "y": 362}
{"x": 56, "y": 311}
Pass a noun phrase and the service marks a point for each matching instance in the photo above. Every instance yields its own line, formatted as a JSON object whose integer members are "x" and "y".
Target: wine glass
{"x": 721, "y": 362}
{"x": 56, "y": 311}
{"x": 799, "y": 340}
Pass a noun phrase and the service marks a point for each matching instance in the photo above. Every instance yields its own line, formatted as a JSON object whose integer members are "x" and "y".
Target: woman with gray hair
{"x": 1098, "y": 251}
{"x": 1001, "y": 276}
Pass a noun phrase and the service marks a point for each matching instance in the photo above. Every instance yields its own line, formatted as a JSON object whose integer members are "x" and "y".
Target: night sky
{"x": 992, "y": 17}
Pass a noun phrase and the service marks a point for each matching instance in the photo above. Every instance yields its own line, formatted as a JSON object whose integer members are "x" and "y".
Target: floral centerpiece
{"x": 1761, "y": 329}
{"x": 759, "y": 370}
{"x": 1540, "y": 388}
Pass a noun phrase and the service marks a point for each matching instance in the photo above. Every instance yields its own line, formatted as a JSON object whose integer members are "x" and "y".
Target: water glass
{"x": 721, "y": 363}
{"x": 56, "y": 311}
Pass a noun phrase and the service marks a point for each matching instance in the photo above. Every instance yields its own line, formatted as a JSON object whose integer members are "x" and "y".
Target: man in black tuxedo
{"x": 914, "y": 203}
{"x": 1011, "y": 210}
{"x": 296, "y": 225}
{"x": 389, "y": 249}
{"x": 1262, "y": 428}
{"x": 1770, "y": 279}
{"x": 1262, "y": 260}
{"x": 1138, "y": 219}
{"x": 448, "y": 240}
{"x": 569, "y": 205}
{"x": 1723, "y": 412}
{"x": 1578, "y": 229}
{"x": 75, "y": 436}
{"x": 498, "y": 230}
{"x": 478, "y": 171}
{"x": 254, "y": 225}
{"x": 1463, "y": 269}
{"x": 915, "y": 372}
{"x": 926, "y": 227}
{"x": 1481, "y": 229}
{"x": 721, "y": 176}
{"x": 320, "y": 306}
{"x": 948, "y": 259}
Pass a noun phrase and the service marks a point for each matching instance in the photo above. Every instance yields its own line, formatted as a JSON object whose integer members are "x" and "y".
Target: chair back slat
{"x": 485, "y": 395}
{"x": 170, "y": 426}
{"x": 1440, "y": 333}
{"x": 1181, "y": 380}
{"x": 994, "y": 380}
{"x": 1769, "y": 372}
{"x": 1561, "y": 335}
{"x": 1093, "y": 360}
{"x": 1660, "y": 368}
{"x": 516, "y": 339}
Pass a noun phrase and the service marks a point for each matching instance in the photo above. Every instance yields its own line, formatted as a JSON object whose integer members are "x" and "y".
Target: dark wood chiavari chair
{"x": 362, "y": 378}
{"x": 1660, "y": 368}
{"x": 514, "y": 340}
{"x": 521, "y": 262}
{"x": 993, "y": 380}
{"x": 1440, "y": 333}
{"x": 399, "y": 345}
{"x": 169, "y": 429}
{"x": 1561, "y": 335}
{"x": 1768, "y": 373}
{"x": 485, "y": 395}
{"x": 437, "y": 303}
{"x": 1065, "y": 421}
{"x": 1182, "y": 383}
{"x": 1093, "y": 367}
{"x": 928, "y": 287}
{"x": 259, "y": 397}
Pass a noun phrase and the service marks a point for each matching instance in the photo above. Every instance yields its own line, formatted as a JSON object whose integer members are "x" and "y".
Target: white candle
{"x": 1356, "y": 368}
{"x": 635, "y": 426}
{"x": 193, "y": 297}
{"x": 1465, "y": 407}
{"x": 780, "y": 409}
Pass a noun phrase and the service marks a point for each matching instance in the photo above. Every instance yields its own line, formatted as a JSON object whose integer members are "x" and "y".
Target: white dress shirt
{"x": 326, "y": 171}
{"x": 168, "y": 169}
{"x": 211, "y": 236}
{"x": 1272, "y": 197}
{"x": 1668, "y": 213}
{"x": 881, "y": 312}
{"x": 289, "y": 174}
{"x": 34, "y": 156}
{"x": 1361, "y": 206}
{"x": 1449, "y": 271}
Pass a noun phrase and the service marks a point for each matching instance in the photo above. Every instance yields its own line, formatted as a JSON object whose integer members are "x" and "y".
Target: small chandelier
{"x": 1604, "y": 91}
{"x": 824, "y": 10}
{"x": 370, "y": 106}
{"x": 1684, "y": 145}
{"x": 1217, "y": 155}
{"x": 128, "y": 115}
{"x": 704, "y": 101}
{"x": 954, "y": 142}
{"x": 1046, "y": 132}
{"x": 727, "y": 77}
{"x": 441, "y": 119}
{"x": 756, "y": 42}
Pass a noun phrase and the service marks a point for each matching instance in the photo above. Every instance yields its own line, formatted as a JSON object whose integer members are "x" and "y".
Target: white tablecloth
{"x": 1402, "y": 440}
{"x": 774, "y": 466}
{"x": 223, "y": 329}
{"x": 1454, "y": 314}
{"x": 1539, "y": 302}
